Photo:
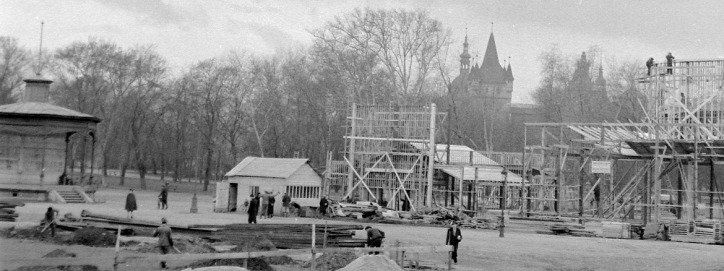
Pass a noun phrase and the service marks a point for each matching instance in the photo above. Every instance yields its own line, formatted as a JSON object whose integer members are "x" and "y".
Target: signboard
{"x": 601, "y": 167}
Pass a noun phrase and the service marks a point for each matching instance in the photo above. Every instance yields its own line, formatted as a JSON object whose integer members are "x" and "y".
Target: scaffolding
{"x": 386, "y": 154}
{"x": 648, "y": 172}
{"x": 389, "y": 150}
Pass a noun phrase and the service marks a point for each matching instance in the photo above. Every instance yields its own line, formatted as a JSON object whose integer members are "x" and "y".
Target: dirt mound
{"x": 332, "y": 261}
{"x": 372, "y": 263}
{"x": 94, "y": 237}
{"x": 59, "y": 253}
{"x": 258, "y": 243}
{"x": 279, "y": 260}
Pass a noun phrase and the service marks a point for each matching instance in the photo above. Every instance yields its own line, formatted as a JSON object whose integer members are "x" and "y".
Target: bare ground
{"x": 479, "y": 250}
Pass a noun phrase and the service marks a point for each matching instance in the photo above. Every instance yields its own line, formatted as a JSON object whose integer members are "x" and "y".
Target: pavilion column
{"x": 66, "y": 157}
{"x": 93, "y": 152}
{"x": 82, "y": 157}
{"x": 42, "y": 160}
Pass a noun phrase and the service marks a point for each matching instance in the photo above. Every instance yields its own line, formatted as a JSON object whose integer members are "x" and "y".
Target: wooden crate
{"x": 616, "y": 230}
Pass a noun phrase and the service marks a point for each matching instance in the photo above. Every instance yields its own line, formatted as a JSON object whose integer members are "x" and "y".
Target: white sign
{"x": 601, "y": 167}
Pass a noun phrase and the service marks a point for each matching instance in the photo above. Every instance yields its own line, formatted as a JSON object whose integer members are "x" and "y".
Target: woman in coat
{"x": 130, "y": 204}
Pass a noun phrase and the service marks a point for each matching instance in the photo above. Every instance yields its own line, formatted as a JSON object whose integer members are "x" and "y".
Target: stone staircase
{"x": 71, "y": 196}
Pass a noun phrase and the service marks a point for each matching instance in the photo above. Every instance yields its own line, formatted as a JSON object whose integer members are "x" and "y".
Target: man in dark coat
{"x": 453, "y": 238}
{"x": 270, "y": 208}
{"x": 323, "y": 204}
{"x": 669, "y": 63}
{"x": 405, "y": 204}
{"x": 165, "y": 242}
{"x": 649, "y": 64}
{"x": 253, "y": 208}
{"x": 374, "y": 238}
{"x": 130, "y": 204}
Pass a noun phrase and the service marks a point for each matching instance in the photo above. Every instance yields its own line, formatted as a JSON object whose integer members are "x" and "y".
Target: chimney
{"x": 37, "y": 89}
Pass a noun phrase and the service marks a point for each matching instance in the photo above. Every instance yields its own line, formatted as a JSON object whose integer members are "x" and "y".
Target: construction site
{"x": 655, "y": 180}
{"x": 661, "y": 172}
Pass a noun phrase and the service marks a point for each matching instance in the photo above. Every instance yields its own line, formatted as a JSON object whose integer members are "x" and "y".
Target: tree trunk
{"x": 207, "y": 171}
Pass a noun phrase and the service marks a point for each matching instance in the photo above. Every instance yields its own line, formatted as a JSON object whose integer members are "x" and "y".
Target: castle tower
{"x": 465, "y": 58}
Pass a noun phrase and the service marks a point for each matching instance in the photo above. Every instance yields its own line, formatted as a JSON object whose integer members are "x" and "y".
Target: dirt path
{"x": 479, "y": 250}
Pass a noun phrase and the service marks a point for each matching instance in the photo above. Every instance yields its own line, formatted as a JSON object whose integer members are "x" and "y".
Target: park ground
{"x": 520, "y": 249}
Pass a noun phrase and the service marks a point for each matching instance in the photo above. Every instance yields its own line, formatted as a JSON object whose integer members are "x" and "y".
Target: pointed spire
{"x": 492, "y": 71}
{"x": 465, "y": 56}
{"x": 509, "y": 72}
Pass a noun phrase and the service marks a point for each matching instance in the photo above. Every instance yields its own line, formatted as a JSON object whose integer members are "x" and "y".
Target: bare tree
{"x": 14, "y": 61}
{"x": 402, "y": 43}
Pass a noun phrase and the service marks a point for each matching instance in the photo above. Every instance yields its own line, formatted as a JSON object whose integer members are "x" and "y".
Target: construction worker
{"x": 49, "y": 221}
{"x": 165, "y": 242}
{"x": 669, "y": 63}
{"x": 649, "y": 64}
{"x": 374, "y": 238}
{"x": 453, "y": 238}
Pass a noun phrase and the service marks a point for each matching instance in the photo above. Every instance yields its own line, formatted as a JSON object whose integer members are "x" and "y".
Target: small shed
{"x": 293, "y": 176}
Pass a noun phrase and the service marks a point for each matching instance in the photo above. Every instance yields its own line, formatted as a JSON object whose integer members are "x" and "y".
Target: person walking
{"x": 253, "y": 208}
{"x": 164, "y": 196}
{"x": 649, "y": 64}
{"x": 286, "y": 199}
{"x": 453, "y": 238}
{"x": 323, "y": 204}
{"x": 165, "y": 242}
{"x": 669, "y": 63}
{"x": 374, "y": 238}
{"x": 130, "y": 204}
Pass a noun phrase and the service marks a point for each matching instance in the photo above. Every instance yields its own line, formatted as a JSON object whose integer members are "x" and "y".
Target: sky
{"x": 186, "y": 32}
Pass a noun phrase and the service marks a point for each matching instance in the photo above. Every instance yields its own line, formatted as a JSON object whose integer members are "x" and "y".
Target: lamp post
{"x": 503, "y": 198}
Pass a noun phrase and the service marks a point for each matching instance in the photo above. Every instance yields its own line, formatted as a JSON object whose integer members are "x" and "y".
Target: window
{"x": 304, "y": 192}
{"x": 254, "y": 190}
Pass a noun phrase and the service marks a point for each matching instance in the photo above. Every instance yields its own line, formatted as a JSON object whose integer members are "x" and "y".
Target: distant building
{"x": 276, "y": 175}
{"x": 489, "y": 86}
{"x": 487, "y": 82}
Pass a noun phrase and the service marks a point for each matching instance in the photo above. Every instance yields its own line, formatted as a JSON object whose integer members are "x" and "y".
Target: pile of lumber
{"x": 134, "y": 226}
{"x": 569, "y": 229}
{"x": 700, "y": 231}
{"x": 7, "y": 210}
{"x": 289, "y": 236}
{"x": 356, "y": 210}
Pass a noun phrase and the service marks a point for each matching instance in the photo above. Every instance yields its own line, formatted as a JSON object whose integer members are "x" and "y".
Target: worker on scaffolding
{"x": 669, "y": 63}
{"x": 649, "y": 64}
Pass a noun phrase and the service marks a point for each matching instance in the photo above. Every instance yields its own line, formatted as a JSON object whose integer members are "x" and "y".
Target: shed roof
{"x": 486, "y": 174}
{"x": 37, "y": 109}
{"x": 459, "y": 154}
{"x": 267, "y": 167}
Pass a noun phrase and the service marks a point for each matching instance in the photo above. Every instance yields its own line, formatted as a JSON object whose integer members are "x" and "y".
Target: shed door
{"x": 222, "y": 196}
{"x": 233, "y": 194}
